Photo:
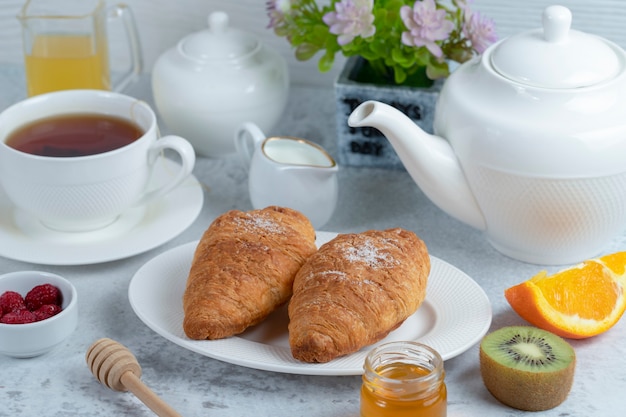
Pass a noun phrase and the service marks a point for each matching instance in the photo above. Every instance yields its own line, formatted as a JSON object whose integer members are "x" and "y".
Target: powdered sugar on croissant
{"x": 243, "y": 269}
{"x": 354, "y": 291}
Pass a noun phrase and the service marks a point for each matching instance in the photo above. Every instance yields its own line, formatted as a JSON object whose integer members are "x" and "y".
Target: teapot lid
{"x": 555, "y": 56}
{"x": 218, "y": 42}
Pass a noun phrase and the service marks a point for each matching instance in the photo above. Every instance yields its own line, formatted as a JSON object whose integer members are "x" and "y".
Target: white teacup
{"x": 289, "y": 172}
{"x": 82, "y": 193}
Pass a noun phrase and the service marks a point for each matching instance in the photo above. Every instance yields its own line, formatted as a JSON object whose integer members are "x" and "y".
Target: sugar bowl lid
{"x": 556, "y": 56}
{"x": 220, "y": 42}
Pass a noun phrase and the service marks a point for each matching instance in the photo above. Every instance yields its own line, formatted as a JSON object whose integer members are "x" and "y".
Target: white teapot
{"x": 529, "y": 144}
{"x": 216, "y": 79}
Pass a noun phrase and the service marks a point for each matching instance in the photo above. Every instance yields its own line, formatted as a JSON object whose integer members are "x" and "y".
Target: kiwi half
{"x": 527, "y": 368}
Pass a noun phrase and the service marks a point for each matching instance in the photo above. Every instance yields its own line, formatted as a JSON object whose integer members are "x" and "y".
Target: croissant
{"x": 354, "y": 291}
{"x": 243, "y": 269}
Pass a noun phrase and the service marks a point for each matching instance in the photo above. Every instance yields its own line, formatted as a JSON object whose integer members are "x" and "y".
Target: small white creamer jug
{"x": 289, "y": 172}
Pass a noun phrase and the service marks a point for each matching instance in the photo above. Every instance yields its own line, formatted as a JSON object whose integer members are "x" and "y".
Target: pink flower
{"x": 350, "y": 19}
{"x": 480, "y": 31}
{"x": 426, "y": 24}
{"x": 276, "y": 10}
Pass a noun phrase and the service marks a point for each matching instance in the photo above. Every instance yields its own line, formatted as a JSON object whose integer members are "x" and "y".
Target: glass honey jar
{"x": 403, "y": 379}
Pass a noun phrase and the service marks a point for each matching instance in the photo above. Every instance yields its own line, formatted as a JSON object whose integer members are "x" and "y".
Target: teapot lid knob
{"x": 557, "y": 21}
{"x": 218, "y": 22}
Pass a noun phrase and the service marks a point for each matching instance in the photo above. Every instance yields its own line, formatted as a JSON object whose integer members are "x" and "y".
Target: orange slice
{"x": 578, "y": 302}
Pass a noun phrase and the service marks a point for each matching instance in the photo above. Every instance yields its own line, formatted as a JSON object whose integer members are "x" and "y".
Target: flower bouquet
{"x": 402, "y": 41}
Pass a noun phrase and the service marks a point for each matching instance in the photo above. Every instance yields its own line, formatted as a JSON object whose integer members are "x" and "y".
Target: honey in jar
{"x": 403, "y": 379}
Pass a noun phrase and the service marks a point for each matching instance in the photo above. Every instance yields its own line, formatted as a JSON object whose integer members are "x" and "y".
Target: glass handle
{"x": 125, "y": 13}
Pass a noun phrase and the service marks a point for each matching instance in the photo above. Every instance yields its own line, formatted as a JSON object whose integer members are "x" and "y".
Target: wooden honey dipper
{"x": 116, "y": 367}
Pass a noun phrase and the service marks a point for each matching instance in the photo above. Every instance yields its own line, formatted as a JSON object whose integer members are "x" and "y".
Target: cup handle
{"x": 188, "y": 160}
{"x": 246, "y": 138}
{"x": 125, "y": 13}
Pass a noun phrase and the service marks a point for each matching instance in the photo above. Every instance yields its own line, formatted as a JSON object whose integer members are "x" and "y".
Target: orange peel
{"x": 577, "y": 302}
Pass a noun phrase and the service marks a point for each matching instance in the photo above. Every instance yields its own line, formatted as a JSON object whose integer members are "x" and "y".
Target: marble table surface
{"x": 60, "y": 384}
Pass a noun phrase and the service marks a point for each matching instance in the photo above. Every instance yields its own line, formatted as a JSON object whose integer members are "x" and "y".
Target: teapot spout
{"x": 429, "y": 159}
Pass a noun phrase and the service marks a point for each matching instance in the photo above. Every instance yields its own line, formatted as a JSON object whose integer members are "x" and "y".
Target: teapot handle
{"x": 247, "y": 137}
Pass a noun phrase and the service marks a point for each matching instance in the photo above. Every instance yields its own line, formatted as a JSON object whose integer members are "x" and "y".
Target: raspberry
{"x": 42, "y": 295}
{"x": 11, "y": 301}
{"x": 18, "y": 317}
{"x": 46, "y": 311}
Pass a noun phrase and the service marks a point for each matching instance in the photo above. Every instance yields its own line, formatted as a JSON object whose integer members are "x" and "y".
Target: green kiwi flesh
{"x": 527, "y": 368}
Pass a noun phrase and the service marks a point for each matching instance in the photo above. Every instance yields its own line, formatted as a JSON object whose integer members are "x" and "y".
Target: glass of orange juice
{"x": 66, "y": 46}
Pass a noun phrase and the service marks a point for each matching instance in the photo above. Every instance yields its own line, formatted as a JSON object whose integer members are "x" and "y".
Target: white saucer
{"x": 24, "y": 238}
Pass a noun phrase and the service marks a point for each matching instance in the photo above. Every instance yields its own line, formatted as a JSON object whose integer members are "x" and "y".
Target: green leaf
{"x": 319, "y": 33}
{"x": 326, "y": 62}
{"x": 403, "y": 57}
{"x": 281, "y": 31}
{"x": 399, "y": 75}
{"x": 436, "y": 70}
{"x": 306, "y": 51}
{"x": 379, "y": 48}
{"x": 422, "y": 56}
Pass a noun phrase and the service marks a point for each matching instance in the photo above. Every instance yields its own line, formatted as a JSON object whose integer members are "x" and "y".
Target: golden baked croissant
{"x": 354, "y": 291}
{"x": 243, "y": 269}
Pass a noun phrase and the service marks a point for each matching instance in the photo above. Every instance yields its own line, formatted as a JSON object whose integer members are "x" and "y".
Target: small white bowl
{"x": 34, "y": 339}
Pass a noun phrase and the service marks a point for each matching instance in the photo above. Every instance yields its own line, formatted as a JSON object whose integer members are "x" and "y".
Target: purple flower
{"x": 480, "y": 31}
{"x": 276, "y": 10}
{"x": 350, "y": 19}
{"x": 426, "y": 24}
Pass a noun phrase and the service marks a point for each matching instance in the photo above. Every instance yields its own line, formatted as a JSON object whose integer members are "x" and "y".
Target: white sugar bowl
{"x": 214, "y": 80}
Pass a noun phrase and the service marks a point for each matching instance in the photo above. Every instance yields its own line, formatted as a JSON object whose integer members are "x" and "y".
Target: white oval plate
{"x": 24, "y": 238}
{"x": 455, "y": 315}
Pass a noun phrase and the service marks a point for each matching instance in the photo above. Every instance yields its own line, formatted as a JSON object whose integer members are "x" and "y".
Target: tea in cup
{"x": 289, "y": 172}
{"x": 66, "y": 46}
{"x": 77, "y": 159}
